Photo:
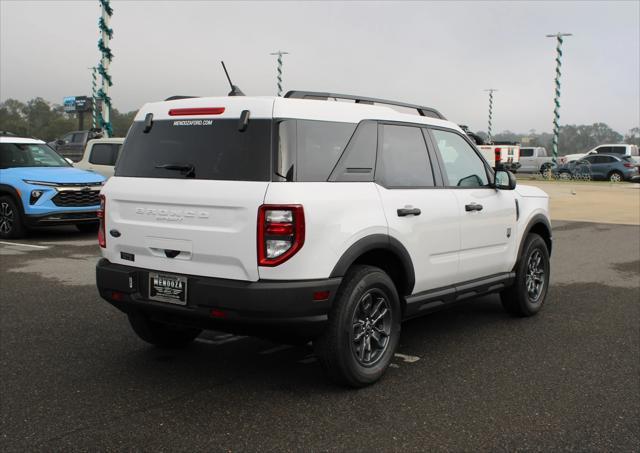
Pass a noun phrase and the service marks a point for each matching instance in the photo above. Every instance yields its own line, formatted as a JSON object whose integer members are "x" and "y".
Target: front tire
{"x": 162, "y": 335}
{"x": 363, "y": 328}
{"x": 528, "y": 293}
{"x": 11, "y": 222}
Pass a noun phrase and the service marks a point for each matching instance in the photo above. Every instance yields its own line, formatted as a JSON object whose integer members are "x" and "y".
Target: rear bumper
{"x": 261, "y": 307}
{"x": 61, "y": 218}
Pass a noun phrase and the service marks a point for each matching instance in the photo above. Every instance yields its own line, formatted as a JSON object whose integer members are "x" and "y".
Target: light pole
{"x": 490, "y": 90}
{"x": 279, "y": 53}
{"x": 556, "y": 100}
{"x": 106, "y": 56}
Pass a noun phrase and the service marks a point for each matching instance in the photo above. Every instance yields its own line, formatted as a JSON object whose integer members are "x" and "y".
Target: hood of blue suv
{"x": 58, "y": 175}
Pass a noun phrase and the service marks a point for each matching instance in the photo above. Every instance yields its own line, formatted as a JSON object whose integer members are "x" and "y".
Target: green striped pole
{"x": 556, "y": 100}
{"x": 279, "y": 53}
{"x": 94, "y": 97}
{"x": 106, "y": 56}
{"x": 490, "y": 90}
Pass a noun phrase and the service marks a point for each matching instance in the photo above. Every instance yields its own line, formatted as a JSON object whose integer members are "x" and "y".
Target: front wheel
{"x": 11, "y": 222}
{"x": 528, "y": 293}
{"x": 363, "y": 328}
{"x": 161, "y": 334}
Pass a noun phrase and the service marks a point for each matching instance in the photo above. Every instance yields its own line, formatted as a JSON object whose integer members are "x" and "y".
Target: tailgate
{"x": 184, "y": 226}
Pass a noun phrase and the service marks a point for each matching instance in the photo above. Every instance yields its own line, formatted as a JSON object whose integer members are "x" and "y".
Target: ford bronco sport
{"x": 298, "y": 218}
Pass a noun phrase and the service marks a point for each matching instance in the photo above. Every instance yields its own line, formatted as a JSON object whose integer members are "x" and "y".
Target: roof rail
{"x": 422, "y": 111}
{"x": 175, "y": 98}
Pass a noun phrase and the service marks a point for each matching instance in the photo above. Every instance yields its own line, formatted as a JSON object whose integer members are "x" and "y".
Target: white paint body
{"x": 86, "y": 162}
{"x": 214, "y": 223}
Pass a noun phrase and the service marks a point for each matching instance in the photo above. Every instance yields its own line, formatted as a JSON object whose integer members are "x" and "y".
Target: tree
{"x": 633, "y": 137}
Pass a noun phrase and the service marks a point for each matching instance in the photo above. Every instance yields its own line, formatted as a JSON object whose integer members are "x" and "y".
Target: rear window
{"x": 198, "y": 149}
{"x": 526, "y": 152}
{"x": 104, "y": 154}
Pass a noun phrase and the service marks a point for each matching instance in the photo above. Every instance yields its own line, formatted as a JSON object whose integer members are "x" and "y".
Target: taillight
{"x": 497, "y": 153}
{"x": 102, "y": 237}
{"x": 280, "y": 233}
{"x": 629, "y": 165}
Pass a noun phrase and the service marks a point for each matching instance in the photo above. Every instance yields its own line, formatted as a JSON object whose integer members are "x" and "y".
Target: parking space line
{"x": 225, "y": 340}
{"x": 407, "y": 358}
{"x": 19, "y": 244}
{"x": 282, "y": 347}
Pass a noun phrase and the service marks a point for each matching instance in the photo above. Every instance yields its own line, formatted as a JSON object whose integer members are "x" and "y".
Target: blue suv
{"x": 40, "y": 188}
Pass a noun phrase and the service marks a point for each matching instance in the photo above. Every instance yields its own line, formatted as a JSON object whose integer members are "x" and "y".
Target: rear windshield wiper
{"x": 188, "y": 170}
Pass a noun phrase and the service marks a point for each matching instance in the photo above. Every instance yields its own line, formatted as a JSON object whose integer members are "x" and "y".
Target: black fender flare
{"x": 535, "y": 220}
{"x": 376, "y": 242}
{"x": 6, "y": 189}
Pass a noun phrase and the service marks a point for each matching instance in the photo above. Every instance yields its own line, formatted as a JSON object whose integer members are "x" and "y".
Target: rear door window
{"x": 603, "y": 150}
{"x": 526, "y": 152}
{"x": 403, "y": 160}
{"x": 199, "y": 149}
{"x": 622, "y": 150}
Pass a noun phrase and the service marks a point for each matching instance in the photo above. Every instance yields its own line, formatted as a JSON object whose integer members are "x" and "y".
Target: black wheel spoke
{"x": 371, "y": 326}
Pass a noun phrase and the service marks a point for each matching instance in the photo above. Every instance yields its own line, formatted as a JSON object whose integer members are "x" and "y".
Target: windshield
{"x": 29, "y": 155}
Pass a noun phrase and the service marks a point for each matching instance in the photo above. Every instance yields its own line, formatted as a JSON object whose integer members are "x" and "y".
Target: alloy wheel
{"x": 371, "y": 327}
{"x": 6, "y": 218}
{"x": 535, "y": 278}
{"x": 615, "y": 177}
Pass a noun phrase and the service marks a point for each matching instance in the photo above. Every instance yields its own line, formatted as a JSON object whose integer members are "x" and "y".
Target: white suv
{"x": 300, "y": 218}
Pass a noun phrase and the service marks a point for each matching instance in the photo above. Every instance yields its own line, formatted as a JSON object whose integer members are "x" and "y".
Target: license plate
{"x": 168, "y": 288}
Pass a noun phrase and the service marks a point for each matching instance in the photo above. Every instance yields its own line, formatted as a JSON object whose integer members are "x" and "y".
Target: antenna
{"x": 235, "y": 91}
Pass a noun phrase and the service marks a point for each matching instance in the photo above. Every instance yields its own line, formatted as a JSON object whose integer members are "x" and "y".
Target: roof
{"x": 5, "y": 139}
{"x": 277, "y": 107}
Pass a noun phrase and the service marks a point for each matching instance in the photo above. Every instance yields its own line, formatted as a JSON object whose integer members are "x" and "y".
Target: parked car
{"x": 100, "y": 155}
{"x": 600, "y": 166}
{"x": 40, "y": 188}
{"x": 621, "y": 149}
{"x": 72, "y": 144}
{"x": 534, "y": 159}
{"x": 300, "y": 219}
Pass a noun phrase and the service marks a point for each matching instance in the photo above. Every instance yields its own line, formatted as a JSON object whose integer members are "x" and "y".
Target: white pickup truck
{"x": 504, "y": 154}
{"x": 534, "y": 159}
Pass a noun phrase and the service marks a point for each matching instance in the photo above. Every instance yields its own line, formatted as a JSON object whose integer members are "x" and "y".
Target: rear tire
{"x": 363, "y": 328}
{"x": 90, "y": 227}
{"x": 528, "y": 293}
{"x": 616, "y": 176}
{"x": 11, "y": 221}
{"x": 162, "y": 335}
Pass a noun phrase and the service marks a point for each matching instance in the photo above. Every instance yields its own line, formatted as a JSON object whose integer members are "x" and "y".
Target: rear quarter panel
{"x": 336, "y": 216}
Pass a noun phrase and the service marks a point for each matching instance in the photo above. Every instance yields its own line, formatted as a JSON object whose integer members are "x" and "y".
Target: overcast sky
{"x": 440, "y": 54}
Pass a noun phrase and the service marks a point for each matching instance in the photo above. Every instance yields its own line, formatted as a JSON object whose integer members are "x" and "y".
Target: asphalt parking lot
{"x": 75, "y": 377}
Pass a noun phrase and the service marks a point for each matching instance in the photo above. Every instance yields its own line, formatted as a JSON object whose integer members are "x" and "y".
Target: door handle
{"x": 408, "y": 211}
{"x": 473, "y": 207}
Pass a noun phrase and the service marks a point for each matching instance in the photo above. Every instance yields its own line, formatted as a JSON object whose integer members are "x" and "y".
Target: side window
{"x": 607, "y": 159}
{"x": 78, "y": 137}
{"x": 622, "y": 150}
{"x": 463, "y": 166}
{"x": 526, "y": 152}
{"x": 68, "y": 138}
{"x": 603, "y": 150}
{"x": 309, "y": 150}
{"x": 591, "y": 159}
{"x": 103, "y": 154}
{"x": 403, "y": 159}
{"x": 358, "y": 160}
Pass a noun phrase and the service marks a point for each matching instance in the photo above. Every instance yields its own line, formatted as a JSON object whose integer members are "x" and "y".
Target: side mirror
{"x": 505, "y": 180}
